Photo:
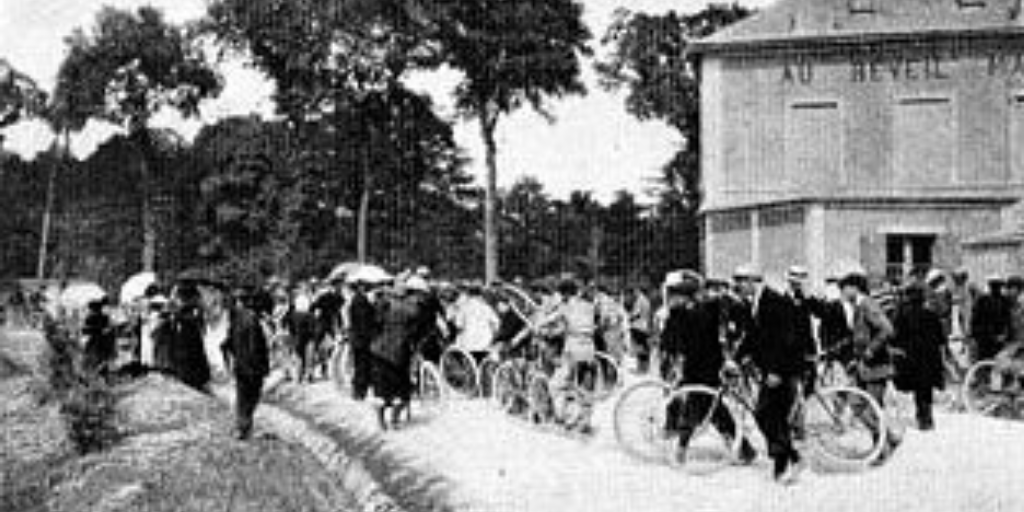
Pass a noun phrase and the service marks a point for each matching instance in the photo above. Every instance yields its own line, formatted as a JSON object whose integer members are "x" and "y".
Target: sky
{"x": 593, "y": 144}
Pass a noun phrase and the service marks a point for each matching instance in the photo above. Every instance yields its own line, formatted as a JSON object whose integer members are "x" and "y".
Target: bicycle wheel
{"x": 429, "y": 386}
{"x": 844, "y": 425}
{"x": 508, "y": 392}
{"x": 541, "y": 402}
{"x": 486, "y": 371}
{"x": 459, "y": 372}
{"x": 990, "y": 391}
{"x": 607, "y": 377}
{"x": 698, "y": 413}
{"x": 639, "y": 421}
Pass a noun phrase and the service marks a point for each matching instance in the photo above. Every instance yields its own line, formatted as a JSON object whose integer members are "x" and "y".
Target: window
{"x": 906, "y": 254}
{"x": 971, "y": 4}
{"x": 730, "y": 222}
{"x": 814, "y": 152}
{"x": 924, "y": 150}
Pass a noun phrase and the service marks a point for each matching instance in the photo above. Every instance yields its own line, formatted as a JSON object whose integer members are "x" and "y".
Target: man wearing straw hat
{"x": 771, "y": 344}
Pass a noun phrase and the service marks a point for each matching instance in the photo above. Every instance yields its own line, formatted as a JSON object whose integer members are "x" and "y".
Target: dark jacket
{"x": 834, "y": 331}
{"x": 246, "y": 345}
{"x": 919, "y": 336}
{"x": 363, "y": 322}
{"x": 805, "y": 308}
{"x": 327, "y": 311}
{"x": 770, "y": 336}
{"x": 188, "y": 355}
{"x": 398, "y": 316}
{"x": 692, "y": 332}
{"x": 100, "y": 344}
{"x": 990, "y": 320}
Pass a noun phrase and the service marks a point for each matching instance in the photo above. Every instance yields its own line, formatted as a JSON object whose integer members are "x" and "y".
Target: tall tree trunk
{"x": 149, "y": 238}
{"x": 44, "y": 241}
{"x": 363, "y": 223}
{"x": 488, "y": 123}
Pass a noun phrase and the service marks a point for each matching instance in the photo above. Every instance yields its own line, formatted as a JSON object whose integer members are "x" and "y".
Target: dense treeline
{"x": 356, "y": 164}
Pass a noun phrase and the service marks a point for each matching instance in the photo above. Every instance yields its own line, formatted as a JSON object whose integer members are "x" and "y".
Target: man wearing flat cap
{"x": 872, "y": 333}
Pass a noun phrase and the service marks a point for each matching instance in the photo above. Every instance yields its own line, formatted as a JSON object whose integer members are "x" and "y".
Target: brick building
{"x": 884, "y": 132}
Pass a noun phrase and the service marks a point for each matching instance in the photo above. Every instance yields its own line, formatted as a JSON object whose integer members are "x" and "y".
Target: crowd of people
{"x": 686, "y": 331}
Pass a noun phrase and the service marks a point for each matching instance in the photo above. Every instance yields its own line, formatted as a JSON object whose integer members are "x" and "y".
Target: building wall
{"x": 926, "y": 120}
{"x": 859, "y": 234}
{"x": 1003, "y": 260}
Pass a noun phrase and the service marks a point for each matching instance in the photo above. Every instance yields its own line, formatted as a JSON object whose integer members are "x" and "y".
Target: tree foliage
{"x": 132, "y": 65}
{"x": 19, "y": 95}
{"x": 649, "y": 57}
{"x": 510, "y": 53}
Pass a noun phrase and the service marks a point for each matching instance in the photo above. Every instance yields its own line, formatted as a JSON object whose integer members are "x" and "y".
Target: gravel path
{"x": 495, "y": 463}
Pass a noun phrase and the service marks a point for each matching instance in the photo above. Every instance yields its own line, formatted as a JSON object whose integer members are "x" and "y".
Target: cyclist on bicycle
{"x": 577, "y": 319}
{"x": 691, "y": 344}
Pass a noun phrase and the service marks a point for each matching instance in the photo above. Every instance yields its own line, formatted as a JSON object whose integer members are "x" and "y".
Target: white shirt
{"x": 477, "y": 324}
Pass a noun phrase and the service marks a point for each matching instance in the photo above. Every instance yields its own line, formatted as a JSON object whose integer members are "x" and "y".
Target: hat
{"x": 855, "y": 279}
{"x": 797, "y": 272}
{"x": 995, "y": 278}
{"x": 934, "y": 275}
{"x": 417, "y": 283}
{"x": 748, "y": 271}
{"x": 1015, "y": 282}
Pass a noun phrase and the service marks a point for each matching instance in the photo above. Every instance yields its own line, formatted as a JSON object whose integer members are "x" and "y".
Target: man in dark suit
{"x": 771, "y": 344}
{"x": 248, "y": 357}
{"x": 691, "y": 340}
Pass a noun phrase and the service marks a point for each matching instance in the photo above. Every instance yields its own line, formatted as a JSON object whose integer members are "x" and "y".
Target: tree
{"x": 332, "y": 61}
{"x": 19, "y": 96}
{"x": 649, "y": 58}
{"x": 133, "y": 65}
{"x": 510, "y": 53}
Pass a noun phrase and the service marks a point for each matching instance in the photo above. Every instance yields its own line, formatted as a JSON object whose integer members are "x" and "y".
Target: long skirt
{"x": 390, "y": 382}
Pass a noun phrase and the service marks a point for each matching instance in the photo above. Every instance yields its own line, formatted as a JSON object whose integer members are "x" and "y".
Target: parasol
{"x": 371, "y": 274}
{"x": 343, "y": 270}
{"x": 135, "y": 287}
{"x": 79, "y": 295}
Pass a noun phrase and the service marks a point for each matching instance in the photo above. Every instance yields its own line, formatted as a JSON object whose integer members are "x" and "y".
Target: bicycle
{"x": 460, "y": 372}
{"x": 993, "y": 388}
{"x": 842, "y": 424}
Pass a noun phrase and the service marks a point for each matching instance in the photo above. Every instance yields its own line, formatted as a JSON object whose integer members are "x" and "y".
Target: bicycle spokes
{"x": 845, "y": 424}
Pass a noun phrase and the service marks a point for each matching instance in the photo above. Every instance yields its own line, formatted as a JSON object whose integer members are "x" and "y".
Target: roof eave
{"x": 712, "y": 45}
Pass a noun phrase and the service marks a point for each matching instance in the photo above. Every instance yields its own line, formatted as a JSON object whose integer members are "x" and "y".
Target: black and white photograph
{"x": 511, "y": 255}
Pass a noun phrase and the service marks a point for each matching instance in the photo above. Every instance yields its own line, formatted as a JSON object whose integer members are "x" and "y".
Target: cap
{"x": 748, "y": 271}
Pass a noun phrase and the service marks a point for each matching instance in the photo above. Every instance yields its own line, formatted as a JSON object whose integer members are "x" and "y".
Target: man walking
{"x": 247, "y": 355}
{"x": 771, "y": 344}
{"x": 872, "y": 332}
